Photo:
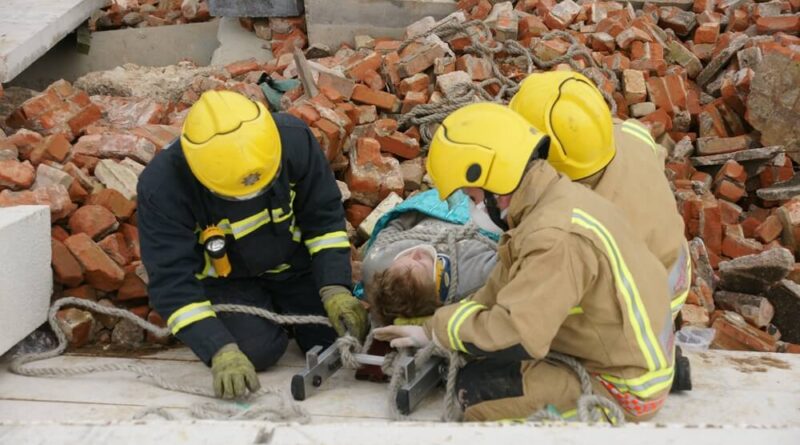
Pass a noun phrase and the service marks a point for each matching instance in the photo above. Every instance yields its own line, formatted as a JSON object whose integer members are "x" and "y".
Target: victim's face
{"x": 419, "y": 262}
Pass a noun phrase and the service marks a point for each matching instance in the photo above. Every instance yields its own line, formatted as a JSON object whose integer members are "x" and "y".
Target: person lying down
{"x": 406, "y": 277}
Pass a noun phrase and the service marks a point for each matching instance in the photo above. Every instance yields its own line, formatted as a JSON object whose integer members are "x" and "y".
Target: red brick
{"x": 400, "y": 145}
{"x": 732, "y": 170}
{"x": 100, "y": 271}
{"x": 76, "y": 324}
{"x": 306, "y": 113}
{"x": 77, "y": 193}
{"x": 55, "y": 147}
{"x": 360, "y": 63}
{"x": 749, "y": 226}
{"x": 87, "y": 116}
{"x": 729, "y": 212}
{"x": 159, "y": 135}
{"x": 84, "y": 292}
{"x": 59, "y": 233}
{"x": 707, "y": 33}
{"x": 374, "y": 80}
{"x": 413, "y": 99}
{"x": 331, "y": 138}
{"x": 477, "y": 67}
{"x": 66, "y": 269}
{"x": 789, "y": 24}
{"x": 659, "y": 122}
{"x": 114, "y": 201}
{"x": 93, "y": 220}
{"x": 713, "y": 146}
{"x": 481, "y": 10}
{"x": 54, "y": 196}
{"x": 531, "y": 26}
{"x": 769, "y": 230}
{"x": 729, "y": 190}
{"x": 131, "y": 234}
{"x": 380, "y": 99}
{"x": 733, "y": 333}
{"x": 417, "y": 83}
{"x": 371, "y": 176}
{"x": 16, "y": 175}
{"x": 419, "y": 60}
{"x": 711, "y": 226}
{"x": 157, "y": 320}
{"x": 734, "y": 247}
{"x": 132, "y": 288}
{"x": 356, "y": 213}
{"x": 117, "y": 248}
{"x": 38, "y": 105}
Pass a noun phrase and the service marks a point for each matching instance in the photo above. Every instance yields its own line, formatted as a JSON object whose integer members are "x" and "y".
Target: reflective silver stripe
{"x": 188, "y": 315}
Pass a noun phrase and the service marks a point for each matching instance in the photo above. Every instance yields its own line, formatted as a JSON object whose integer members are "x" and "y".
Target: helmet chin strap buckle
{"x": 494, "y": 211}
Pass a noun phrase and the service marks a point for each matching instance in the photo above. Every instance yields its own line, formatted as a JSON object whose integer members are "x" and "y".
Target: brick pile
{"x": 147, "y": 13}
{"x": 695, "y": 73}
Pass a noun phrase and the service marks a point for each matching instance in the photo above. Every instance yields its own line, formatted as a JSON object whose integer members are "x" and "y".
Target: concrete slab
{"x": 237, "y": 43}
{"x": 336, "y": 22}
{"x": 730, "y": 388}
{"x": 109, "y": 49}
{"x": 26, "y": 279}
{"x": 28, "y": 29}
{"x": 255, "y": 8}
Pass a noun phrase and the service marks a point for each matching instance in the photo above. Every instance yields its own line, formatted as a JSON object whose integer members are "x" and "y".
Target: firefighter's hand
{"x": 412, "y": 321}
{"x": 346, "y": 313}
{"x": 403, "y": 336}
{"x": 233, "y": 373}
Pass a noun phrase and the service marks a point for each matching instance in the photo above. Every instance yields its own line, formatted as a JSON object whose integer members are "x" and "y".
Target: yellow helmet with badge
{"x": 231, "y": 144}
{"x": 483, "y": 145}
{"x": 570, "y": 108}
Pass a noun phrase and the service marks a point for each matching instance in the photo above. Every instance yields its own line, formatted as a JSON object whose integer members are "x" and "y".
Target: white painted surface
{"x": 730, "y": 388}
{"x": 28, "y": 28}
{"x": 242, "y": 432}
{"x": 26, "y": 279}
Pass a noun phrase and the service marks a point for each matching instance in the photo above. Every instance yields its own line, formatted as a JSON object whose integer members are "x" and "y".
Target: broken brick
{"x": 100, "y": 271}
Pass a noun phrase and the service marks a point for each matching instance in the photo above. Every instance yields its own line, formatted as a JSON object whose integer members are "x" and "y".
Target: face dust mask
{"x": 480, "y": 217}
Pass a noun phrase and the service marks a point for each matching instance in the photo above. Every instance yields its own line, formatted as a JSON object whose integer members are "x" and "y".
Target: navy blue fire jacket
{"x": 297, "y": 225}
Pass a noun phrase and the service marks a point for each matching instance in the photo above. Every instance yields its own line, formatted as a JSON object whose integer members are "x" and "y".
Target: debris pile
{"x": 717, "y": 82}
{"x": 146, "y": 13}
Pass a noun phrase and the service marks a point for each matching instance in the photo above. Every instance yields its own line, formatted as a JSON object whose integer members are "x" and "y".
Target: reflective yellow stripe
{"x": 640, "y": 133}
{"x": 569, "y": 414}
{"x": 208, "y": 269}
{"x": 189, "y": 314}
{"x": 466, "y": 309}
{"x": 297, "y": 234}
{"x": 576, "y": 310}
{"x": 332, "y": 240}
{"x": 240, "y": 229}
{"x": 637, "y": 313}
{"x": 279, "y": 269}
{"x": 646, "y": 385}
{"x": 679, "y": 299}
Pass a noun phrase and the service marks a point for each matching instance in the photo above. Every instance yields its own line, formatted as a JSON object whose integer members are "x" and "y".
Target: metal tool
{"x": 417, "y": 381}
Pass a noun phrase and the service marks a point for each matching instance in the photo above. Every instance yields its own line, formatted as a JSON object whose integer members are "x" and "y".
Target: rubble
{"x": 716, "y": 83}
{"x": 142, "y": 14}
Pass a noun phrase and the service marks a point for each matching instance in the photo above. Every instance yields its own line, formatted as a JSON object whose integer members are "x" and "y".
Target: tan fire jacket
{"x": 635, "y": 182}
{"x": 571, "y": 277}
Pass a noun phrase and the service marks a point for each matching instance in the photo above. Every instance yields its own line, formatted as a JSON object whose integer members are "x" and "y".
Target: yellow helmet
{"x": 570, "y": 108}
{"x": 231, "y": 144}
{"x": 482, "y": 145}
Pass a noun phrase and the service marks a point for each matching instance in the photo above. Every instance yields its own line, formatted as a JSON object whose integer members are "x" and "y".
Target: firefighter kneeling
{"x": 244, "y": 209}
{"x": 572, "y": 277}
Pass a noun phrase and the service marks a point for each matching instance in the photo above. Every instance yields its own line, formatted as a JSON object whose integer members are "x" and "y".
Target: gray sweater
{"x": 473, "y": 258}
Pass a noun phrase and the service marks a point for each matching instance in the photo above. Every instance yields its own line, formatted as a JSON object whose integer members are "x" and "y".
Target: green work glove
{"x": 233, "y": 373}
{"x": 345, "y": 311}
{"x": 412, "y": 321}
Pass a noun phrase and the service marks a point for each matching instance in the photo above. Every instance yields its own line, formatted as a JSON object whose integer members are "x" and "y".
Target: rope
{"x": 346, "y": 344}
{"x": 591, "y": 407}
{"x": 425, "y": 115}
